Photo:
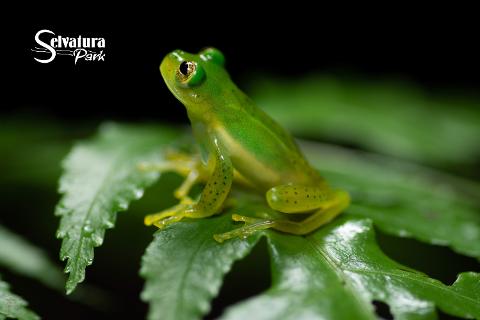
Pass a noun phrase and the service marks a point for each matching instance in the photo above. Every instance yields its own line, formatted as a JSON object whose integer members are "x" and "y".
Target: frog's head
{"x": 197, "y": 80}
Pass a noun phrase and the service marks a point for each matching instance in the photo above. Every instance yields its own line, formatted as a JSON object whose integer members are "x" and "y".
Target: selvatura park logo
{"x": 79, "y": 47}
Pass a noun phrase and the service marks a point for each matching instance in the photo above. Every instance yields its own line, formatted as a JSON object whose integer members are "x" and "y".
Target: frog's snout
{"x": 167, "y": 67}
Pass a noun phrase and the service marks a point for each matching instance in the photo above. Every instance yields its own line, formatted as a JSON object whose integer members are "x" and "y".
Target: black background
{"x": 438, "y": 55}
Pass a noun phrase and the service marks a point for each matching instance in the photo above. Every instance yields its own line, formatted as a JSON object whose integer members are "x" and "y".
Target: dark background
{"x": 441, "y": 55}
{"x": 438, "y": 56}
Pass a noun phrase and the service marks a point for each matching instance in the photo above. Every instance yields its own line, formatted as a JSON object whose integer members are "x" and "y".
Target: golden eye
{"x": 190, "y": 73}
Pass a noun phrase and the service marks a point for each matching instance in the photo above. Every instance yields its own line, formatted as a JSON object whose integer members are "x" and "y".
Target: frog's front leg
{"x": 322, "y": 204}
{"x": 187, "y": 165}
{"x": 211, "y": 199}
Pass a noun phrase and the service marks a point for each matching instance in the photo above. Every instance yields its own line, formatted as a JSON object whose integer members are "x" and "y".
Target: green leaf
{"x": 389, "y": 117}
{"x": 336, "y": 272}
{"x": 405, "y": 199}
{"x": 21, "y": 257}
{"x": 100, "y": 179}
{"x": 184, "y": 267}
{"x": 13, "y": 306}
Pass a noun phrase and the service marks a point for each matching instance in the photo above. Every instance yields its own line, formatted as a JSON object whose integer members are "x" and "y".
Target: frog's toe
{"x": 252, "y": 225}
{"x": 167, "y": 221}
{"x": 238, "y": 218}
{"x": 175, "y": 211}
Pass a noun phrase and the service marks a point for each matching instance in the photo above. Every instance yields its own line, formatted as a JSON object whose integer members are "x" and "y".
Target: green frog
{"x": 239, "y": 141}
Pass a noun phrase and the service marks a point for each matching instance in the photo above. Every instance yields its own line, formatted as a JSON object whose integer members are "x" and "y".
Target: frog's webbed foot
{"x": 252, "y": 225}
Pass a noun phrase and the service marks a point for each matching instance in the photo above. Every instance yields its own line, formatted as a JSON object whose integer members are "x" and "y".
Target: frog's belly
{"x": 259, "y": 172}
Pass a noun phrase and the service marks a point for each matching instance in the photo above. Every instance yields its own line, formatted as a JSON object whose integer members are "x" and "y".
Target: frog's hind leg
{"x": 325, "y": 205}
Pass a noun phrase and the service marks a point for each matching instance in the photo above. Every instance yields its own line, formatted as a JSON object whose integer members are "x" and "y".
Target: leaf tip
{"x": 70, "y": 286}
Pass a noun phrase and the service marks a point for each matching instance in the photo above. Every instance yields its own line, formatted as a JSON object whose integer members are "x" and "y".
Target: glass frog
{"x": 239, "y": 141}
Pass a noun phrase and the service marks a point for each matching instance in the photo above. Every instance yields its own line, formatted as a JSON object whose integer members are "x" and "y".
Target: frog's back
{"x": 261, "y": 150}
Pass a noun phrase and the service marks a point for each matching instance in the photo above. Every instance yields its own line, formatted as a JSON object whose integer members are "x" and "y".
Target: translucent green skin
{"x": 235, "y": 134}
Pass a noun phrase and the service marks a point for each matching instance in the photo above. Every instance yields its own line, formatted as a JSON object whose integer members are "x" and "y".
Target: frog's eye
{"x": 214, "y": 55}
{"x": 190, "y": 73}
